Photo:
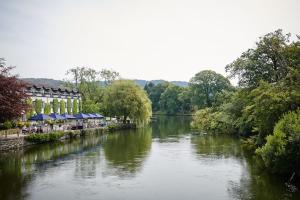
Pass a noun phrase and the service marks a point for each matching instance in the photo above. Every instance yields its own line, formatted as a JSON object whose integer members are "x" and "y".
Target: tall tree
{"x": 12, "y": 94}
{"x": 62, "y": 108}
{"x": 47, "y": 109}
{"x": 169, "y": 100}
{"x": 266, "y": 62}
{"x": 109, "y": 76}
{"x": 75, "y": 106}
{"x": 205, "y": 85}
{"x": 125, "y": 99}
{"x": 55, "y": 104}
{"x": 69, "y": 106}
{"x": 38, "y": 106}
{"x": 154, "y": 93}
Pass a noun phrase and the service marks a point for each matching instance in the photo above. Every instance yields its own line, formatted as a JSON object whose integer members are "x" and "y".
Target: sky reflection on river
{"x": 162, "y": 161}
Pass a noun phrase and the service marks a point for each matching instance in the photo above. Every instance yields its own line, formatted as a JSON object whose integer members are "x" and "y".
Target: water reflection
{"x": 217, "y": 146}
{"x": 164, "y": 160}
{"x": 127, "y": 151}
{"x": 170, "y": 129}
{"x": 18, "y": 169}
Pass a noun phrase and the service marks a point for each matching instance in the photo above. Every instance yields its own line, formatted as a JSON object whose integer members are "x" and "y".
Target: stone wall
{"x": 12, "y": 143}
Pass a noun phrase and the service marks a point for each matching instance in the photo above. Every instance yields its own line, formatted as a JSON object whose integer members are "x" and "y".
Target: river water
{"x": 163, "y": 161}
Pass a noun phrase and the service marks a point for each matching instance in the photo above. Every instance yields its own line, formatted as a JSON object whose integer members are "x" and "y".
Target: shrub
{"x": 62, "y": 107}
{"x": 44, "y": 137}
{"x": 38, "y": 106}
{"x": 47, "y": 109}
{"x": 7, "y": 125}
{"x": 281, "y": 153}
{"x": 212, "y": 121}
{"x": 69, "y": 106}
{"x": 75, "y": 106}
{"x": 55, "y": 105}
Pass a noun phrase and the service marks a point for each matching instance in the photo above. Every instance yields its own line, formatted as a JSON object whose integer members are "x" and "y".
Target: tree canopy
{"x": 205, "y": 85}
{"x": 125, "y": 99}
{"x": 12, "y": 96}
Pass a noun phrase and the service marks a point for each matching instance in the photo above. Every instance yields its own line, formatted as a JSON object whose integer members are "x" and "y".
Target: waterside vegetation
{"x": 264, "y": 108}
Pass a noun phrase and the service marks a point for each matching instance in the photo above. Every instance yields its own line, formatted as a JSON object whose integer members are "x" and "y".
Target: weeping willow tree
{"x": 125, "y": 99}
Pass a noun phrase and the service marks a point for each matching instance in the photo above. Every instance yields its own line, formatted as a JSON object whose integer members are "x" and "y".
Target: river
{"x": 163, "y": 161}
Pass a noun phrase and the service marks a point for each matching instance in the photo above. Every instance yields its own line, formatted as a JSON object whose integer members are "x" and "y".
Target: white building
{"x": 48, "y": 94}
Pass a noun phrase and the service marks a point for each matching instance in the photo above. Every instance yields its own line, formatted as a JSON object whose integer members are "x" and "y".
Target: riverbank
{"x": 14, "y": 142}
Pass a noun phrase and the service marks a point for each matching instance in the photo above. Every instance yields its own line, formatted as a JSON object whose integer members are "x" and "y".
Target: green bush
{"x": 69, "y": 106}
{"x": 209, "y": 120}
{"x": 44, "y": 137}
{"x": 38, "y": 106}
{"x": 7, "y": 125}
{"x": 75, "y": 106}
{"x": 47, "y": 109}
{"x": 281, "y": 153}
{"x": 62, "y": 107}
{"x": 55, "y": 105}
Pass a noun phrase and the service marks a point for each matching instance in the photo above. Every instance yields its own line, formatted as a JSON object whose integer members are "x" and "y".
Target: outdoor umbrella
{"x": 91, "y": 116}
{"x": 82, "y": 116}
{"x": 98, "y": 116}
{"x": 66, "y": 116}
{"x": 40, "y": 117}
{"x": 57, "y": 116}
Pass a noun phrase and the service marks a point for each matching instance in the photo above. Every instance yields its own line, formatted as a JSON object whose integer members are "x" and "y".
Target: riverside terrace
{"x": 42, "y": 123}
{"x": 48, "y": 94}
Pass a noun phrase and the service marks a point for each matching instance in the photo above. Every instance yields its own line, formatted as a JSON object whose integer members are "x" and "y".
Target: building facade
{"x": 47, "y": 94}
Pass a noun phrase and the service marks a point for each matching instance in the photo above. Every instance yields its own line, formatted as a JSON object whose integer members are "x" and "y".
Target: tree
{"x": 69, "y": 106}
{"x": 154, "y": 93}
{"x": 80, "y": 106}
{"x": 267, "y": 62}
{"x": 169, "y": 100}
{"x": 281, "y": 153}
{"x": 38, "y": 106}
{"x": 108, "y": 76}
{"x": 75, "y": 106}
{"x": 12, "y": 94}
{"x": 30, "y": 111}
{"x": 185, "y": 100}
{"x": 47, "y": 109}
{"x": 62, "y": 107}
{"x": 125, "y": 99}
{"x": 148, "y": 87}
{"x": 55, "y": 105}
{"x": 204, "y": 87}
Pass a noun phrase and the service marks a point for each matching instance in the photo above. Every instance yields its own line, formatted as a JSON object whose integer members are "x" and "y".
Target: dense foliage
{"x": 44, "y": 137}
{"x": 38, "y": 106}
{"x": 126, "y": 99}
{"x": 75, "y": 106}
{"x": 12, "y": 96}
{"x": 202, "y": 92}
{"x": 55, "y": 105}
{"x": 205, "y": 85}
{"x": 281, "y": 152}
{"x": 69, "y": 106}
{"x": 62, "y": 107}
{"x": 47, "y": 108}
{"x": 269, "y": 87}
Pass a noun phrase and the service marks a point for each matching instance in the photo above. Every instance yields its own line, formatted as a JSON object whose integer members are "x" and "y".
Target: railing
{"x": 5, "y": 133}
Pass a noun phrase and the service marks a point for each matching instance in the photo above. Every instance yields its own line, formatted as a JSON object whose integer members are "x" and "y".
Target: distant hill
{"x": 44, "y": 81}
{"x": 142, "y": 83}
{"x": 57, "y": 83}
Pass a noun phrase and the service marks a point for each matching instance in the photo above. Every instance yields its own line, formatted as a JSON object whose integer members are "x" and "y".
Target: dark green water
{"x": 163, "y": 161}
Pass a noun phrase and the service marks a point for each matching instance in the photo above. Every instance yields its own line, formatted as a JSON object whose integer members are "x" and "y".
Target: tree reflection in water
{"x": 127, "y": 151}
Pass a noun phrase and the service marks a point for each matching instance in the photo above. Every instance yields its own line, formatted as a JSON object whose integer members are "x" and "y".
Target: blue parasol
{"x": 40, "y": 117}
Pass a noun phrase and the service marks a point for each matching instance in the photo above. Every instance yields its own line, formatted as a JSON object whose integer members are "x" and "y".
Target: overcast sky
{"x": 141, "y": 39}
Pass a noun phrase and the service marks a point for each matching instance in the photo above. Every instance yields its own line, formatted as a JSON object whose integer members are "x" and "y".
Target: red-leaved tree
{"x": 12, "y": 94}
